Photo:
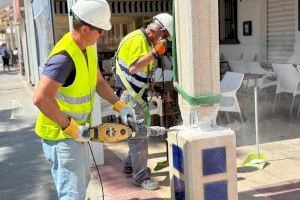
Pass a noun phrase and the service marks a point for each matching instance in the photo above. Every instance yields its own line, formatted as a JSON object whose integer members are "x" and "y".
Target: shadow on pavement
{"x": 24, "y": 172}
{"x": 286, "y": 190}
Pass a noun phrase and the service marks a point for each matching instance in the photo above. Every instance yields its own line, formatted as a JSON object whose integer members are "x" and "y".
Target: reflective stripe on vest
{"x": 75, "y": 100}
{"x": 78, "y": 116}
{"x": 139, "y": 82}
{"x": 139, "y": 73}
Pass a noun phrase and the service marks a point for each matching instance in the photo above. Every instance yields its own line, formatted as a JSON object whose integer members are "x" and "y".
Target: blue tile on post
{"x": 179, "y": 188}
{"x": 177, "y": 158}
{"x": 214, "y": 161}
{"x": 216, "y": 191}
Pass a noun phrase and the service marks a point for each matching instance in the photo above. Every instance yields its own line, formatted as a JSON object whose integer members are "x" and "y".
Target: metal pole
{"x": 256, "y": 117}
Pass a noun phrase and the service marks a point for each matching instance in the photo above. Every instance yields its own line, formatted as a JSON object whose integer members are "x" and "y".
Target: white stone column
{"x": 201, "y": 160}
{"x": 197, "y": 38}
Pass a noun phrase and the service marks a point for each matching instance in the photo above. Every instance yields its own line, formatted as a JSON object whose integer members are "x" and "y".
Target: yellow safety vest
{"x": 132, "y": 47}
{"x": 77, "y": 99}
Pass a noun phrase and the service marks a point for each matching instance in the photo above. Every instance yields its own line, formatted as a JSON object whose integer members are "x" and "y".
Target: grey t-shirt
{"x": 61, "y": 68}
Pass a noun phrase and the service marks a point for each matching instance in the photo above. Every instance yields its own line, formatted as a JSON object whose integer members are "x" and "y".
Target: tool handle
{"x": 156, "y": 131}
{"x": 132, "y": 124}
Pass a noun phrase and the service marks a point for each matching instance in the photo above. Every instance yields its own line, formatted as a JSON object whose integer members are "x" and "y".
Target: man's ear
{"x": 84, "y": 28}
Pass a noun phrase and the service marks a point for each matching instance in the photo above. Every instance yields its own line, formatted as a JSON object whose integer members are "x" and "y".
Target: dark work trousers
{"x": 137, "y": 157}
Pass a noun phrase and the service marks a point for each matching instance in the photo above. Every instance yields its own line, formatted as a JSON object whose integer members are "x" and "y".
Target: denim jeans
{"x": 137, "y": 157}
{"x": 70, "y": 170}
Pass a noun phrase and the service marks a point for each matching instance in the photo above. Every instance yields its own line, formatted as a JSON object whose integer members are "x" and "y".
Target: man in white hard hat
{"x": 65, "y": 97}
{"x": 135, "y": 64}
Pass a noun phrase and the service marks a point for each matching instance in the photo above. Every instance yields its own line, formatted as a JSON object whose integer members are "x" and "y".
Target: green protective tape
{"x": 191, "y": 100}
{"x": 198, "y": 100}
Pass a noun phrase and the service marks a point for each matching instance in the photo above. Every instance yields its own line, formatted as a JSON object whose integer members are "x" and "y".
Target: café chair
{"x": 288, "y": 82}
{"x": 229, "y": 85}
{"x": 269, "y": 79}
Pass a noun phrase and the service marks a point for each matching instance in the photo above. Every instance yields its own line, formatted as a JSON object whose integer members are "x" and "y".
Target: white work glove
{"x": 126, "y": 113}
{"x": 83, "y": 133}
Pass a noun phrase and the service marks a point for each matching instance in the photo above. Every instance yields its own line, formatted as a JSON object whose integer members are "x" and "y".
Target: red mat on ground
{"x": 116, "y": 185}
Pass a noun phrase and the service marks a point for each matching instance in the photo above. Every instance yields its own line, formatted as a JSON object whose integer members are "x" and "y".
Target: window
{"x": 228, "y": 22}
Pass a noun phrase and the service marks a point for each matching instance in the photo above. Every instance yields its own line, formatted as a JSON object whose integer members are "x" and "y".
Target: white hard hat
{"x": 94, "y": 12}
{"x": 166, "y": 20}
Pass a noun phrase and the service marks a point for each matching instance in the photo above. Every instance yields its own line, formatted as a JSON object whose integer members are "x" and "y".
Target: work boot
{"x": 148, "y": 184}
{"x": 128, "y": 171}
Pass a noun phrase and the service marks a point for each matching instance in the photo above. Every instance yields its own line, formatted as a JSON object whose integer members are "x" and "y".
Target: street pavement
{"x": 25, "y": 173}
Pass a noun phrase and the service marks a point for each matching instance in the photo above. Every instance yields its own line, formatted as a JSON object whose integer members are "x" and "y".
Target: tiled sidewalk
{"x": 116, "y": 185}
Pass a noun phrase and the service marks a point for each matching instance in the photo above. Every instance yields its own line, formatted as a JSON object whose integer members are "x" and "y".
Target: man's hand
{"x": 125, "y": 112}
{"x": 78, "y": 133}
{"x": 133, "y": 70}
{"x": 160, "y": 48}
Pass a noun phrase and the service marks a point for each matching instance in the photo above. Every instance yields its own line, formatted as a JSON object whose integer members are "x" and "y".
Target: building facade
{"x": 267, "y": 28}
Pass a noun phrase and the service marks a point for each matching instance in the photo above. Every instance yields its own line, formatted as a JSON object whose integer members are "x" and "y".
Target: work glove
{"x": 78, "y": 133}
{"x": 125, "y": 112}
{"x": 160, "y": 48}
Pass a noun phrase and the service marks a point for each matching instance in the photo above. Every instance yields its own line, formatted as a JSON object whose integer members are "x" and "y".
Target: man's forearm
{"x": 50, "y": 108}
{"x": 141, "y": 63}
{"x": 44, "y": 99}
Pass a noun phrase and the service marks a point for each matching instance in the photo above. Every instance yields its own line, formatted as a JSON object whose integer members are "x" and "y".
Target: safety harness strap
{"x": 136, "y": 97}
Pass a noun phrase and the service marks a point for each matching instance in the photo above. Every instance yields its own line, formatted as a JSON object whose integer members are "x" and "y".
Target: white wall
{"x": 31, "y": 44}
{"x": 255, "y": 11}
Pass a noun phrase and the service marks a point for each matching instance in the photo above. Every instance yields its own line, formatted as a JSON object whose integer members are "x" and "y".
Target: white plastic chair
{"x": 288, "y": 81}
{"x": 298, "y": 67}
{"x": 248, "y": 57}
{"x": 106, "y": 108}
{"x": 269, "y": 79}
{"x": 234, "y": 56}
{"x": 168, "y": 74}
{"x": 156, "y": 107}
{"x": 238, "y": 66}
{"x": 294, "y": 59}
{"x": 230, "y": 84}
